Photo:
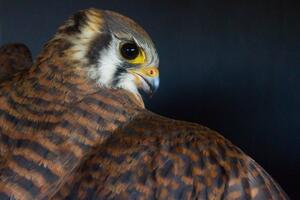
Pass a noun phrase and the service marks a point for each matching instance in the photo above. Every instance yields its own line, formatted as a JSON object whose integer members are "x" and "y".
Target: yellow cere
{"x": 150, "y": 71}
{"x": 140, "y": 59}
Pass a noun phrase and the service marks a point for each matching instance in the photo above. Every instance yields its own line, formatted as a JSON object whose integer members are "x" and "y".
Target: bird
{"x": 14, "y": 58}
{"x": 74, "y": 126}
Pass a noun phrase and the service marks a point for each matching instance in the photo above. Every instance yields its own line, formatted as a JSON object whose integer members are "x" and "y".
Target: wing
{"x": 158, "y": 158}
{"x": 14, "y": 58}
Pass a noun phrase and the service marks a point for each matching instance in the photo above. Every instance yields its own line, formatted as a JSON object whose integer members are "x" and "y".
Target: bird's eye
{"x": 129, "y": 51}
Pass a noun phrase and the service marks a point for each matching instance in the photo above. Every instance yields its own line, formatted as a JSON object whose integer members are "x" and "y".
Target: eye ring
{"x": 129, "y": 50}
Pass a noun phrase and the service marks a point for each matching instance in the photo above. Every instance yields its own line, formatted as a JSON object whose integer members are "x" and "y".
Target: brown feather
{"x": 154, "y": 157}
{"x": 64, "y": 137}
{"x": 52, "y": 115}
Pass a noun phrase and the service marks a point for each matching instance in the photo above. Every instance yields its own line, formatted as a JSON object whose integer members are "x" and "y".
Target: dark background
{"x": 233, "y": 66}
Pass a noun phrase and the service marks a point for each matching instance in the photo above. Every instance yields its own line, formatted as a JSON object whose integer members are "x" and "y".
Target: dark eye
{"x": 129, "y": 51}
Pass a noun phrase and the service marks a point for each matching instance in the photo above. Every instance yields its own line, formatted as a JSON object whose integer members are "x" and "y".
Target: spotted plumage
{"x": 74, "y": 126}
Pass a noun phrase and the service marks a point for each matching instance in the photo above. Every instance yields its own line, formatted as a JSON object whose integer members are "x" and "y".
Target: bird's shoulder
{"x": 163, "y": 132}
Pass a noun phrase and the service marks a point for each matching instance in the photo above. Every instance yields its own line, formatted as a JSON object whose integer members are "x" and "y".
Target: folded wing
{"x": 158, "y": 158}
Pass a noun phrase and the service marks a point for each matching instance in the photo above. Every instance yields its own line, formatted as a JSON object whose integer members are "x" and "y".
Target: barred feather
{"x": 62, "y": 136}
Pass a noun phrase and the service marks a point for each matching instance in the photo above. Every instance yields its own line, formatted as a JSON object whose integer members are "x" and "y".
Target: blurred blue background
{"x": 233, "y": 66}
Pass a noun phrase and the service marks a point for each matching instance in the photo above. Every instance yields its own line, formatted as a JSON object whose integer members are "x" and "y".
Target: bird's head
{"x": 114, "y": 51}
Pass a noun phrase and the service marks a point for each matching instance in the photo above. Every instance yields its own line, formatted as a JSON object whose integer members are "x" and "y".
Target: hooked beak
{"x": 146, "y": 78}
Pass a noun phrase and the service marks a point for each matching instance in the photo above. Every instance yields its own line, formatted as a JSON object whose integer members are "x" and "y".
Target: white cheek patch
{"x": 106, "y": 66}
{"x": 108, "y": 63}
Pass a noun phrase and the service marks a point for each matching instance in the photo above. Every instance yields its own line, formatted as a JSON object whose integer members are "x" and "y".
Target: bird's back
{"x": 154, "y": 157}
